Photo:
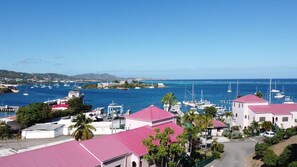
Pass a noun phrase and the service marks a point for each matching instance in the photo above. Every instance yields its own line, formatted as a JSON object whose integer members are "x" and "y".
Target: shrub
{"x": 220, "y": 148}
{"x": 260, "y": 149}
{"x": 271, "y": 141}
{"x": 217, "y": 154}
{"x": 293, "y": 164}
{"x": 226, "y": 133}
{"x": 288, "y": 155}
{"x": 236, "y": 135}
{"x": 289, "y": 132}
{"x": 235, "y": 128}
{"x": 280, "y": 134}
{"x": 270, "y": 158}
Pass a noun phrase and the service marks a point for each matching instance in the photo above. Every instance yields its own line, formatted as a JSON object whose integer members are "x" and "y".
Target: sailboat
{"x": 202, "y": 104}
{"x": 190, "y": 103}
{"x": 274, "y": 90}
{"x": 26, "y": 93}
{"x": 229, "y": 88}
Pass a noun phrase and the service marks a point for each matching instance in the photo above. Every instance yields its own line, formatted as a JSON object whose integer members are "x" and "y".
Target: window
{"x": 261, "y": 119}
{"x": 276, "y": 119}
{"x": 242, "y": 105}
{"x": 233, "y": 104}
{"x": 245, "y": 116}
{"x": 248, "y": 117}
{"x": 218, "y": 130}
{"x": 285, "y": 119}
{"x": 238, "y": 105}
{"x": 253, "y": 118}
{"x": 295, "y": 120}
{"x": 236, "y": 115}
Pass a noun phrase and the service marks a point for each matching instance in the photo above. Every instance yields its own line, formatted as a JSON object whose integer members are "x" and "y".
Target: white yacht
{"x": 279, "y": 96}
{"x": 288, "y": 100}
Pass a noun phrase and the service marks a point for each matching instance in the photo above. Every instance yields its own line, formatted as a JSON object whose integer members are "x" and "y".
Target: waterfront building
{"x": 251, "y": 108}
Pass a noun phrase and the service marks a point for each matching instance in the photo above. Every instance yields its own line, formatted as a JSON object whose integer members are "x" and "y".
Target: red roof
{"x": 276, "y": 109}
{"x": 60, "y": 106}
{"x": 250, "y": 99}
{"x": 65, "y": 154}
{"x": 106, "y": 147}
{"x": 151, "y": 114}
{"x": 218, "y": 124}
{"x": 133, "y": 138}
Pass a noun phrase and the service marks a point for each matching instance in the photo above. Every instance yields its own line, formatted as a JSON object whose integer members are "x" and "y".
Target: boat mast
{"x": 270, "y": 91}
{"x": 237, "y": 90}
{"x": 192, "y": 92}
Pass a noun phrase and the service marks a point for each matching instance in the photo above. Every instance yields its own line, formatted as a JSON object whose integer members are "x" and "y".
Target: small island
{"x": 123, "y": 85}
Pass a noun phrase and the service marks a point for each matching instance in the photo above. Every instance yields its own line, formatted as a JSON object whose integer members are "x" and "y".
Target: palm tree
{"x": 229, "y": 115}
{"x": 267, "y": 125}
{"x": 84, "y": 129}
{"x": 189, "y": 116}
{"x": 170, "y": 100}
{"x": 204, "y": 122}
{"x": 255, "y": 127}
{"x": 190, "y": 130}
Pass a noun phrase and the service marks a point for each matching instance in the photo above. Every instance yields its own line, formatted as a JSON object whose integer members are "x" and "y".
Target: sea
{"x": 214, "y": 90}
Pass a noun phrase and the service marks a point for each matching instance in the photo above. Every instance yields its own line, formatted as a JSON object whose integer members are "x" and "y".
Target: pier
{"x": 7, "y": 108}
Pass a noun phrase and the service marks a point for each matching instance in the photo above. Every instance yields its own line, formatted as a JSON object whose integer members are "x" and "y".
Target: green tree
{"x": 170, "y": 100}
{"x": 83, "y": 127}
{"x": 259, "y": 94}
{"x": 33, "y": 113}
{"x": 266, "y": 125}
{"x": 211, "y": 111}
{"x": 205, "y": 123}
{"x": 255, "y": 127}
{"x": 161, "y": 150}
{"x": 76, "y": 106}
{"x": 191, "y": 130}
{"x": 5, "y": 131}
{"x": 260, "y": 149}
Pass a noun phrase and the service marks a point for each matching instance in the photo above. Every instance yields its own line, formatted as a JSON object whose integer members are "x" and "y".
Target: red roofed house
{"x": 151, "y": 116}
{"x": 251, "y": 108}
{"x": 218, "y": 127}
{"x": 123, "y": 149}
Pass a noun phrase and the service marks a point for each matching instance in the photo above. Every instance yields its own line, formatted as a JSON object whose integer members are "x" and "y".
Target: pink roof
{"x": 60, "y": 106}
{"x": 276, "y": 109}
{"x": 250, "y": 99}
{"x": 106, "y": 148}
{"x": 133, "y": 138}
{"x": 65, "y": 154}
{"x": 218, "y": 124}
{"x": 151, "y": 114}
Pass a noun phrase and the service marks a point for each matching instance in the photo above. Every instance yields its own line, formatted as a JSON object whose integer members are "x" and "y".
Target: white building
{"x": 251, "y": 108}
{"x": 47, "y": 130}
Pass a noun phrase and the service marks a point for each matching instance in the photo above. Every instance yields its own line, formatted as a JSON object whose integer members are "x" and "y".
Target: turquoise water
{"x": 137, "y": 99}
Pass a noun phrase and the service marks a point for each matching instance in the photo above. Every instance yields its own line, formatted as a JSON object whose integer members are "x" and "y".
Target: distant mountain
{"x": 12, "y": 75}
{"x": 100, "y": 77}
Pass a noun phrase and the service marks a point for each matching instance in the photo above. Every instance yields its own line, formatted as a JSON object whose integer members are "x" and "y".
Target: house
{"x": 251, "y": 108}
{"x": 62, "y": 106}
{"x": 151, "y": 116}
{"x": 217, "y": 128}
{"x": 123, "y": 149}
{"x": 46, "y": 130}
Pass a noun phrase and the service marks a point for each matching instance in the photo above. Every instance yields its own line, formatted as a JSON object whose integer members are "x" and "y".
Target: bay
{"x": 137, "y": 99}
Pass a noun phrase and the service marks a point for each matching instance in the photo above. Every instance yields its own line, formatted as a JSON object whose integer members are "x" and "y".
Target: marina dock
{"x": 7, "y": 108}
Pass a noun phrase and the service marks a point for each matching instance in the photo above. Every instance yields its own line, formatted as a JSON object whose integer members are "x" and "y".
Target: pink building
{"x": 251, "y": 108}
{"x": 123, "y": 149}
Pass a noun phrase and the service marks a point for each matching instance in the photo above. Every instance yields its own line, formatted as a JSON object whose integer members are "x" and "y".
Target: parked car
{"x": 268, "y": 134}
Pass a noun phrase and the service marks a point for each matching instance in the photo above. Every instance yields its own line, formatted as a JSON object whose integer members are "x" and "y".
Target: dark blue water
{"x": 137, "y": 99}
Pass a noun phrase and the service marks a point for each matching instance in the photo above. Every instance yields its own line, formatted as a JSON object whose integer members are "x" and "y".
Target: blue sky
{"x": 160, "y": 39}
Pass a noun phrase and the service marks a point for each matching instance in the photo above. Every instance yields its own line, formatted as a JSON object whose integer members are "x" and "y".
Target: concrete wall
{"x": 217, "y": 131}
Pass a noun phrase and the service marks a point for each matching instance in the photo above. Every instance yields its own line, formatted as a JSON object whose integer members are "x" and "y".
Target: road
{"x": 236, "y": 153}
